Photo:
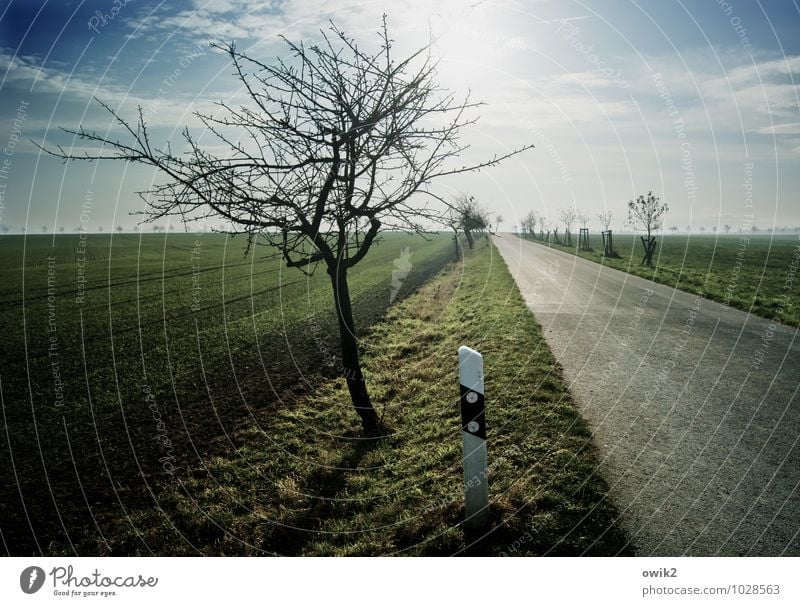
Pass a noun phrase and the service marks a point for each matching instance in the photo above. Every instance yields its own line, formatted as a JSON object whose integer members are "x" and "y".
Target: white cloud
{"x": 76, "y": 92}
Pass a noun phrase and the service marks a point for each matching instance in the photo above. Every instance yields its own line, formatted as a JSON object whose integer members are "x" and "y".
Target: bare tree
{"x": 454, "y": 221}
{"x": 470, "y": 216}
{"x": 674, "y": 229}
{"x": 605, "y": 219}
{"x": 647, "y": 213}
{"x": 335, "y": 145}
{"x": 608, "y": 241}
{"x": 466, "y": 215}
{"x": 119, "y": 229}
{"x": 727, "y": 228}
{"x": 568, "y": 217}
{"x": 498, "y": 219}
{"x": 552, "y": 227}
{"x": 529, "y": 223}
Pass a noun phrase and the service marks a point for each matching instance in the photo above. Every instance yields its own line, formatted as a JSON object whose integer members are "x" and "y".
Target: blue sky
{"x": 689, "y": 99}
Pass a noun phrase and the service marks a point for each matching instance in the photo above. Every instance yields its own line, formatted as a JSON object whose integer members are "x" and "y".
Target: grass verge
{"x": 753, "y": 273}
{"x": 301, "y": 481}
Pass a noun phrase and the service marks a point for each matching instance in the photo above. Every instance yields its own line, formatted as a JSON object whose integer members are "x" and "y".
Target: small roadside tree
{"x": 334, "y": 145}
{"x": 552, "y": 228}
{"x": 608, "y": 242}
{"x": 529, "y": 222}
{"x": 568, "y": 217}
{"x": 583, "y": 237}
{"x": 498, "y": 219}
{"x": 727, "y": 228}
{"x": 469, "y": 217}
{"x": 647, "y": 213}
{"x": 605, "y": 219}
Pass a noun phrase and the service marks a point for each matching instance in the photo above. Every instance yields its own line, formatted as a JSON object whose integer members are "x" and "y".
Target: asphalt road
{"x": 694, "y": 406}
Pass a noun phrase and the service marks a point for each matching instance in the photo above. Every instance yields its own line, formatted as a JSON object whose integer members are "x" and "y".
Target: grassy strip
{"x": 302, "y": 481}
{"x": 752, "y": 273}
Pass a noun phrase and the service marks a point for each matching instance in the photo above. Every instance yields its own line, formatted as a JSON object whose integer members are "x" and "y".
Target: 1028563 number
{"x": 745, "y": 589}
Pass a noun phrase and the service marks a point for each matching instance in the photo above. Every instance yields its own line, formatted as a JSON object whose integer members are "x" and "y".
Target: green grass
{"x": 749, "y": 274}
{"x": 290, "y": 473}
{"x": 178, "y": 342}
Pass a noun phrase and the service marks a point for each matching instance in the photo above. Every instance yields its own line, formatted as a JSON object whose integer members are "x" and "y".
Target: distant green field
{"x": 130, "y": 362}
{"x": 759, "y": 274}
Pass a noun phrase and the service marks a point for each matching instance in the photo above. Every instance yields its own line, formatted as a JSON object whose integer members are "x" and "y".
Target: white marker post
{"x": 473, "y": 438}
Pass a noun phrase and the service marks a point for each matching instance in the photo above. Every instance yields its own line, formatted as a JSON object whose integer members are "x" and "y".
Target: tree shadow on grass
{"x": 325, "y": 485}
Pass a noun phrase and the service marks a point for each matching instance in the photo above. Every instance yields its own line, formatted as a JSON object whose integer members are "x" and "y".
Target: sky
{"x": 696, "y": 101}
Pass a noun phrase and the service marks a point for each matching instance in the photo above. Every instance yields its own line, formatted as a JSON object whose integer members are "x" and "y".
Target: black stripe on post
{"x": 473, "y": 412}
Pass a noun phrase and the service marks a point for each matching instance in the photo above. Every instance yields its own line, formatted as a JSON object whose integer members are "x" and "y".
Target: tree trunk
{"x": 351, "y": 365}
{"x": 468, "y": 234}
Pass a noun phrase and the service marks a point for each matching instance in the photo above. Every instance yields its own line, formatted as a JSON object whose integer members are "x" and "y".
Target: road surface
{"x": 693, "y": 405}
